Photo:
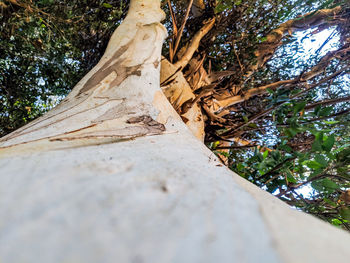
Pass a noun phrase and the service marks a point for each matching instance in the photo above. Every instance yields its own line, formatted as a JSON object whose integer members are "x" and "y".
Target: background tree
{"x": 235, "y": 71}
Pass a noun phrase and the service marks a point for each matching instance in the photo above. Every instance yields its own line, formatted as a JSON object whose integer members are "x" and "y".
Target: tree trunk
{"x": 114, "y": 175}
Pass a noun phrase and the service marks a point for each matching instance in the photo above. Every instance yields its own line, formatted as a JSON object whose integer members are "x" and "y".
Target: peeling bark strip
{"x": 124, "y": 133}
{"x": 151, "y": 124}
{"x": 106, "y": 70}
{"x": 177, "y": 88}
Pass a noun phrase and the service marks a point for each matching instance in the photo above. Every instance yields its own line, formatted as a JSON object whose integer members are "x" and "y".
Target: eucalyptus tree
{"x": 114, "y": 174}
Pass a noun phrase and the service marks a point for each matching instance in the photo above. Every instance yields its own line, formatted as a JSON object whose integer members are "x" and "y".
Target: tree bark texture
{"x": 114, "y": 175}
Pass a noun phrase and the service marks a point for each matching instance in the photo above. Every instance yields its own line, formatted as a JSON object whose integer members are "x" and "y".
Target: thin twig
{"x": 179, "y": 35}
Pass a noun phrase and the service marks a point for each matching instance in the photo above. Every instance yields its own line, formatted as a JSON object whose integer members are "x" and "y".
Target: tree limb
{"x": 194, "y": 44}
{"x": 274, "y": 39}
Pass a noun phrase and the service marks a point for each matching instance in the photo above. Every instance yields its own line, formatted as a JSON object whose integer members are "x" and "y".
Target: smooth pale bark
{"x": 114, "y": 175}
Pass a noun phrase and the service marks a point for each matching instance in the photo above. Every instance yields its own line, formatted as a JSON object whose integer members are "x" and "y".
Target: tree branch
{"x": 316, "y": 70}
{"x": 194, "y": 44}
{"x": 179, "y": 35}
{"x": 274, "y": 39}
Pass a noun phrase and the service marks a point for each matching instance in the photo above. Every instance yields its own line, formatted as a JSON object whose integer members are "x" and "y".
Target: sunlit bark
{"x": 114, "y": 175}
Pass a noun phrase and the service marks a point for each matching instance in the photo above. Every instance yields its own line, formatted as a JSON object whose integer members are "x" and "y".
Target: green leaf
{"x": 317, "y": 146}
{"x": 276, "y": 155}
{"x": 313, "y": 164}
{"x": 106, "y": 5}
{"x": 286, "y": 148}
{"x": 321, "y": 160}
{"x": 325, "y": 111}
{"x": 316, "y": 172}
{"x": 299, "y": 107}
{"x": 265, "y": 154}
{"x": 344, "y": 155}
{"x": 341, "y": 148}
{"x": 329, "y": 185}
{"x": 240, "y": 167}
{"x": 345, "y": 213}
{"x": 270, "y": 91}
{"x": 290, "y": 177}
{"x": 261, "y": 167}
{"x": 317, "y": 185}
{"x": 252, "y": 125}
{"x": 325, "y": 185}
{"x": 260, "y": 157}
{"x": 263, "y": 39}
{"x": 331, "y": 122}
{"x": 223, "y": 6}
{"x": 336, "y": 222}
{"x": 215, "y": 144}
{"x": 291, "y": 132}
{"x": 330, "y": 202}
{"x": 317, "y": 110}
{"x": 328, "y": 143}
{"x": 331, "y": 156}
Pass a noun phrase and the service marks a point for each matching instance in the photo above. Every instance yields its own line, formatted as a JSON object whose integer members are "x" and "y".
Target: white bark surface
{"x": 158, "y": 198}
{"x": 96, "y": 181}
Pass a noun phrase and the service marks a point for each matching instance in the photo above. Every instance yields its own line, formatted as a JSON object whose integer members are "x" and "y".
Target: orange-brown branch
{"x": 194, "y": 44}
{"x": 227, "y": 101}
